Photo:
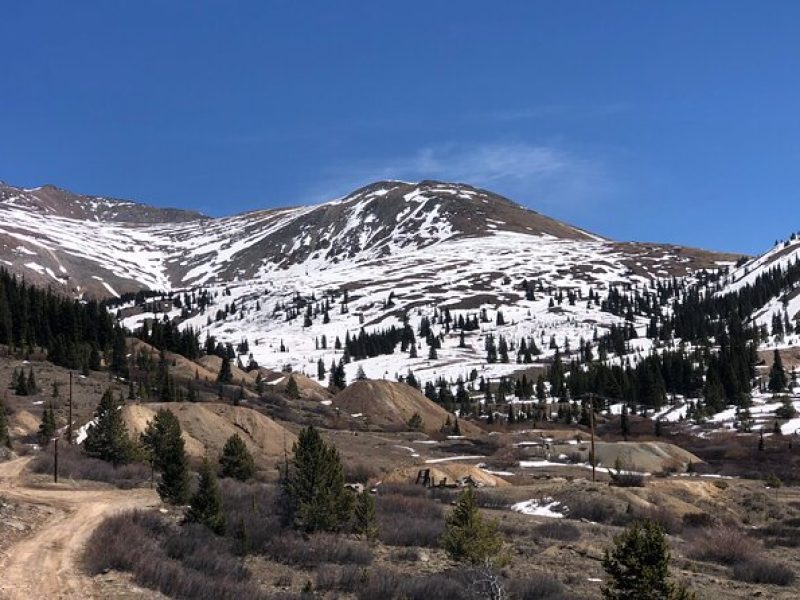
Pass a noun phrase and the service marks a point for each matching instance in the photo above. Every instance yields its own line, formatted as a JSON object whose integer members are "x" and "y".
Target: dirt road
{"x": 46, "y": 564}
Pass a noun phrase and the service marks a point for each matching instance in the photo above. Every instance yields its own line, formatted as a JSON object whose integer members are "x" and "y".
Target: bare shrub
{"x": 537, "y": 586}
{"x": 134, "y": 542}
{"x": 784, "y": 533}
{"x": 760, "y": 570}
{"x": 595, "y": 509}
{"x": 698, "y": 520}
{"x": 557, "y": 529}
{"x": 343, "y": 579}
{"x": 359, "y": 472}
{"x": 668, "y": 520}
{"x": 317, "y": 549}
{"x": 395, "y": 504}
{"x": 406, "y": 554}
{"x": 405, "y": 530}
{"x": 252, "y": 512}
{"x": 723, "y": 545}
{"x": 74, "y": 464}
{"x": 402, "y": 489}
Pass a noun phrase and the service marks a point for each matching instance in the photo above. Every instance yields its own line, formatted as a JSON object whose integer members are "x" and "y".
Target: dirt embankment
{"x": 207, "y": 426}
{"x": 389, "y": 404}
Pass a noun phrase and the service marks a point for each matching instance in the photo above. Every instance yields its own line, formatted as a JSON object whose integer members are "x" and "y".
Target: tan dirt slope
{"x": 207, "y": 426}
{"x": 389, "y": 404}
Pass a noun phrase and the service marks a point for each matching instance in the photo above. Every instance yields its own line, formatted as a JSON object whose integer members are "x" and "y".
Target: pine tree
{"x": 236, "y": 460}
{"x": 21, "y": 384}
{"x": 638, "y": 564}
{"x": 624, "y": 422}
{"x": 107, "y": 439}
{"x": 31, "y": 383}
{"x": 365, "y": 521}
{"x": 316, "y": 497}
{"x": 165, "y": 447}
{"x": 777, "y": 374}
{"x": 205, "y": 506}
{"x": 468, "y": 537}
{"x": 225, "y": 375}
{"x": 415, "y": 422}
{"x": 47, "y": 428}
{"x": 5, "y": 438}
{"x": 291, "y": 388}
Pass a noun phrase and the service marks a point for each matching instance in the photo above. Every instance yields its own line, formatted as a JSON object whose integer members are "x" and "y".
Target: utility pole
{"x": 69, "y": 418}
{"x": 591, "y": 421}
{"x": 55, "y": 460}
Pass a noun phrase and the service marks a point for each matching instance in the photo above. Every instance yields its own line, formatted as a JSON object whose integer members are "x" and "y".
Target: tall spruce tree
{"x": 165, "y": 447}
{"x": 205, "y": 506}
{"x": 638, "y": 566}
{"x": 225, "y": 374}
{"x": 314, "y": 485}
{"x": 236, "y": 460}
{"x": 291, "y": 388}
{"x": 107, "y": 438}
{"x": 777, "y": 374}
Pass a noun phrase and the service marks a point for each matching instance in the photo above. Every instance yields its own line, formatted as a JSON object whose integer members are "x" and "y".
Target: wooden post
{"x": 69, "y": 418}
{"x": 591, "y": 421}
{"x": 55, "y": 460}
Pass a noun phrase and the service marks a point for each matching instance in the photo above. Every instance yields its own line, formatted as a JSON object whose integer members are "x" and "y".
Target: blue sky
{"x": 673, "y": 121}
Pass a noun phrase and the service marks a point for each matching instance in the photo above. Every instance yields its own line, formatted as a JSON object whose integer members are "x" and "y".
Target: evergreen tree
{"x": 365, "y": 521}
{"x": 638, "y": 564}
{"x": 236, "y": 460}
{"x": 291, "y": 388}
{"x": 205, "y": 506}
{"x": 777, "y": 374}
{"x": 225, "y": 375}
{"x": 468, "y": 537}
{"x": 33, "y": 388}
{"x": 5, "y": 438}
{"x": 21, "y": 384}
{"x": 624, "y": 422}
{"x": 415, "y": 422}
{"x": 165, "y": 447}
{"x": 107, "y": 438}
{"x": 316, "y": 497}
{"x": 47, "y": 428}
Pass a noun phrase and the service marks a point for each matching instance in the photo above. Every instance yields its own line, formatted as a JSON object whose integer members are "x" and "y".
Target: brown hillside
{"x": 213, "y": 363}
{"x": 389, "y": 404}
{"x": 309, "y": 388}
{"x": 207, "y": 426}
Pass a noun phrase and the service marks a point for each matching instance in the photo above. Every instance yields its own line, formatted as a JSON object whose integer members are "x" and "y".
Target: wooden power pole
{"x": 591, "y": 422}
{"x": 55, "y": 460}
{"x": 69, "y": 418}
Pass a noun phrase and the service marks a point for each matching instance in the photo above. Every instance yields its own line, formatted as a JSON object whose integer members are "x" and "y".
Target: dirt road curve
{"x": 46, "y": 565}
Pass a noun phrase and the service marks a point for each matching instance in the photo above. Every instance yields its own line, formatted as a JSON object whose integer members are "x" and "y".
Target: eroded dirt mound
{"x": 309, "y": 388}
{"x": 650, "y": 457}
{"x": 451, "y": 472}
{"x": 389, "y": 404}
{"x": 207, "y": 426}
{"x": 23, "y": 422}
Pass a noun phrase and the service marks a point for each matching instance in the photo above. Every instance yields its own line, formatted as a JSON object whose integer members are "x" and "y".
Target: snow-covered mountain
{"x": 103, "y": 246}
{"x": 778, "y": 301}
{"x": 291, "y": 281}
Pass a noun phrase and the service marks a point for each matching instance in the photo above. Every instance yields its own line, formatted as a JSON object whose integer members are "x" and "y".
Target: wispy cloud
{"x": 540, "y": 176}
